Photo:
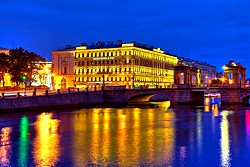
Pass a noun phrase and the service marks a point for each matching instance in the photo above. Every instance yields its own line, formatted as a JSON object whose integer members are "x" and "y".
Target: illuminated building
{"x": 42, "y": 74}
{"x": 6, "y": 77}
{"x": 121, "y": 64}
{"x": 207, "y": 71}
{"x": 5, "y": 51}
{"x": 234, "y": 73}
{"x": 63, "y": 68}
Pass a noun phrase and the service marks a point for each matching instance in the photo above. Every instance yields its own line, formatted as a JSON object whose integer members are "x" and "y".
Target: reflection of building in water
{"x": 5, "y": 136}
{"x": 211, "y": 103}
{"x": 5, "y": 146}
{"x": 122, "y": 135}
{"x": 46, "y": 143}
{"x": 224, "y": 141}
{"x": 80, "y": 126}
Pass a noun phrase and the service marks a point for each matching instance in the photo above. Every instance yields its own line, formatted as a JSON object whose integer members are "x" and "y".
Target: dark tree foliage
{"x": 4, "y": 66}
{"x": 22, "y": 62}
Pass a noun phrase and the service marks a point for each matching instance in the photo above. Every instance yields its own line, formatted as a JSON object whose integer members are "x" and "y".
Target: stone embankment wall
{"x": 56, "y": 100}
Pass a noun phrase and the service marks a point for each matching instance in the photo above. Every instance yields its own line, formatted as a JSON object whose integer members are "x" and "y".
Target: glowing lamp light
{"x": 223, "y": 79}
{"x": 23, "y": 77}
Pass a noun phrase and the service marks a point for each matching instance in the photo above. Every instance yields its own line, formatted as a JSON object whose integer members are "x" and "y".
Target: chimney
{"x": 119, "y": 42}
{"x": 92, "y": 44}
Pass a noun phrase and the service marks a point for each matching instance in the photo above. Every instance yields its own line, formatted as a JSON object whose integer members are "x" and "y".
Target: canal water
{"x": 152, "y": 134}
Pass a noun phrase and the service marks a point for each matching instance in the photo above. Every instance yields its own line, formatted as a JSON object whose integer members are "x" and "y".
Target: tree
{"x": 22, "y": 62}
{"x": 4, "y": 66}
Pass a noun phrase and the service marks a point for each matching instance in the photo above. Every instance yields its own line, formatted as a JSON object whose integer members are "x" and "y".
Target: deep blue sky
{"x": 206, "y": 30}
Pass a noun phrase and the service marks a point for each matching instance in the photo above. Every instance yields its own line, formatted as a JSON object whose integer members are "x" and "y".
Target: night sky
{"x": 213, "y": 31}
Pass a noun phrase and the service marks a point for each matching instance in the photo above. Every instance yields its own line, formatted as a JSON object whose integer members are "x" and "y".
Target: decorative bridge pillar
{"x": 184, "y": 78}
{"x": 235, "y": 74}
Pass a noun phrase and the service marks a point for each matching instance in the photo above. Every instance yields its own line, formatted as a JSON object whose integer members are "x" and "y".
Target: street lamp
{"x": 24, "y": 78}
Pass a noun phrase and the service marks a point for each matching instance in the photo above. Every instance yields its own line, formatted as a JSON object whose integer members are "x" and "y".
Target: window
{"x": 65, "y": 70}
{"x": 65, "y": 59}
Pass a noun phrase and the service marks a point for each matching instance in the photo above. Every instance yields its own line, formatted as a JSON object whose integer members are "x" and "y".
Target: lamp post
{"x": 24, "y": 78}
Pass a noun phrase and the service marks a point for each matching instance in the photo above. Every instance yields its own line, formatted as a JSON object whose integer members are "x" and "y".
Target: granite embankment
{"x": 59, "y": 100}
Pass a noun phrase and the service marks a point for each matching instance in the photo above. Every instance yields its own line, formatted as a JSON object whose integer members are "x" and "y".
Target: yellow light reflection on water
{"x": 5, "y": 147}
{"x": 150, "y": 135}
{"x": 136, "y": 134}
{"x": 80, "y": 125}
{"x": 46, "y": 144}
{"x": 215, "y": 109}
{"x": 95, "y": 137}
{"x": 106, "y": 137}
{"x": 121, "y": 137}
{"x": 206, "y": 104}
{"x": 206, "y": 108}
{"x": 169, "y": 135}
{"x": 224, "y": 141}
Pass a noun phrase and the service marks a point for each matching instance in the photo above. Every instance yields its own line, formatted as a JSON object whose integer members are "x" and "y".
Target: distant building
{"x": 6, "y": 77}
{"x": 207, "y": 71}
{"x": 42, "y": 75}
{"x": 113, "y": 64}
{"x": 63, "y": 66}
{"x": 5, "y": 51}
{"x": 234, "y": 73}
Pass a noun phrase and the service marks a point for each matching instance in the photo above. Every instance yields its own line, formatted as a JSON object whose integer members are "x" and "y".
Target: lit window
{"x": 65, "y": 59}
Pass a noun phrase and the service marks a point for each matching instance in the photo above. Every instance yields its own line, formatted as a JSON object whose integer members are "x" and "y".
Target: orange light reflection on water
{"x": 5, "y": 147}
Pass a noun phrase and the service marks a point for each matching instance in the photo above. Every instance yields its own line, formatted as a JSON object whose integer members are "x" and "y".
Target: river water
{"x": 152, "y": 134}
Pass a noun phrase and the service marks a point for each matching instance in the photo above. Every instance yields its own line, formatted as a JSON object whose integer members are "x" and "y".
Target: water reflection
{"x": 24, "y": 141}
{"x": 121, "y": 136}
{"x": 5, "y": 147}
{"x": 154, "y": 135}
{"x": 224, "y": 141}
{"x": 46, "y": 143}
{"x": 212, "y": 104}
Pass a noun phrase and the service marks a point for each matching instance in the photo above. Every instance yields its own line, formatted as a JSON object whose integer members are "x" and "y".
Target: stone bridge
{"x": 235, "y": 95}
{"x": 179, "y": 95}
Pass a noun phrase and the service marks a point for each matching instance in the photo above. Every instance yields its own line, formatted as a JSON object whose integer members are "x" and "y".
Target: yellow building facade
{"x": 6, "y": 77}
{"x": 129, "y": 64}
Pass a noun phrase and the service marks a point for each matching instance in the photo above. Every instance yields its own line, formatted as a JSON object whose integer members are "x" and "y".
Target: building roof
{"x": 119, "y": 44}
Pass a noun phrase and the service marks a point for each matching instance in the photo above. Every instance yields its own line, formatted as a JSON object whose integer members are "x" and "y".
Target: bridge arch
{"x": 245, "y": 98}
{"x": 148, "y": 96}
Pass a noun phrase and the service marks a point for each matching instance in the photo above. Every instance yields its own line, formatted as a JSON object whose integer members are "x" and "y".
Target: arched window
{"x": 63, "y": 83}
